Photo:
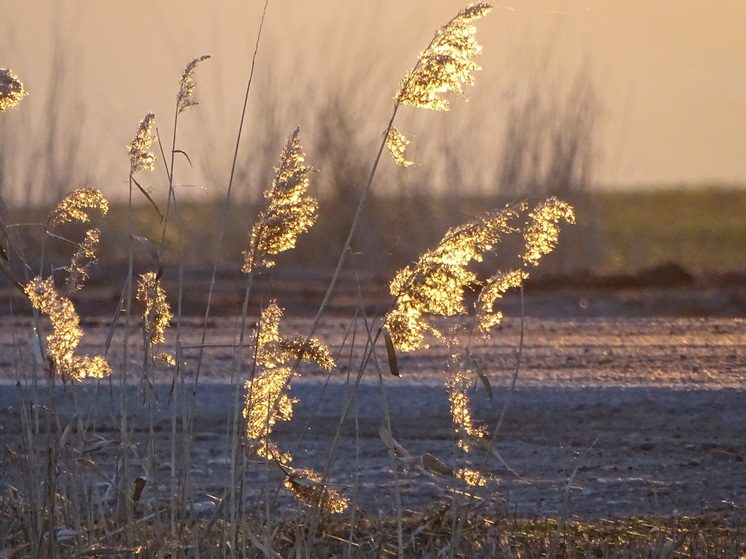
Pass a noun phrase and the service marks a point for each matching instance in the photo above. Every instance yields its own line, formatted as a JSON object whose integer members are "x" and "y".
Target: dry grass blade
{"x": 391, "y": 352}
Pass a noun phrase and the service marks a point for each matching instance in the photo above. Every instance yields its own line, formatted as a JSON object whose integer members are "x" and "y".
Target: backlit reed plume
{"x": 187, "y": 86}
{"x": 471, "y": 477}
{"x": 396, "y": 143}
{"x": 74, "y": 205}
{"x": 542, "y": 232}
{"x": 84, "y": 258}
{"x": 290, "y": 212}
{"x": 66, "y": 332}
{"x": 446, "y": 64}
{"x": 141, "y": 158}
{"x": 494, "y": 288}
{"x": 156, "y": 314}
{"x": 435, "y": 284}
{"x": 267, "y": 400}
{"x": 307, "y": 487}
{"x": 459, "y": 380}
{"x": 11, "y": 89}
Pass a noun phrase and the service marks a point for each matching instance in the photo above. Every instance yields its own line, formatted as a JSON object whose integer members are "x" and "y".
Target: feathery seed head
{"x": 74, "y": 205}
{"x": 187, "y": 85}
{"x": 437, "y": 282}
{"x": 458, "y": 383}
{"x": 542, "y": 233}
{"x": 306, "y": 486}
{"x": 493, "y": 289}
{"x": 11, "y": 90}
{"x": 157, "y": 314}
{"x": 446, "y": 65}
{"x": 66, "y": 333}
{"x": 397, "y": 143}
{"x": 290, "y": 212}
{"x": 141, "y": 159}
{"x": 83, "y": 258}
{"x": 472, "y": 478}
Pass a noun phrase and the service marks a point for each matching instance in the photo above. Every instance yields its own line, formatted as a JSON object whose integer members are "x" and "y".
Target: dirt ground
{"x": 611, "y": 416}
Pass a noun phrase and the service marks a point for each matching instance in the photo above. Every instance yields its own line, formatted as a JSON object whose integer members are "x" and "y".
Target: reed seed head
{"x": 543, "y": 230}
{"x": 66, "y": 332}
{"x": 436, "y": 283}
{"x": 306, "y": 486}
{"x": 83, "y": 258}
{"x": 447, "y": 64}
{"x": 141, "y": 159}
{"x": 266, "y": 403}
{"x": 157, "y": 313}
{"x": 74, "y": 205}
{"x": 494, "y": 288}
{"x": 11, "y": 90}
{"x": 187, "y": 86}
{"x": 470, "y": 477}
{"x": 289, "y": 213}
{"x": 397, "y": 143}
{"x": 458, "y": 383}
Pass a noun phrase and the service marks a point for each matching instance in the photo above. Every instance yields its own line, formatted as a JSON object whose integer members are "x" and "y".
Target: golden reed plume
{"x": 74, "y": 205}
{"x": 141, "y": 158}
{"x": 11, "y": 90}
{"x": 494, "y": 288}
{"x": 436, "y": 283}
{"x": 459, "y": 380}
{"x": 156, "y": 315}
{"x": 66, "y": 333}
{"x": 542, "y": 232}
{"x": 84, "y": 258}
{"x": 397, "y": 143}
{"x": 187, "y": 86}
{"x": 446, "y": 64}
{"x": 290, "y": 212}
{"x": 267, "y": 401}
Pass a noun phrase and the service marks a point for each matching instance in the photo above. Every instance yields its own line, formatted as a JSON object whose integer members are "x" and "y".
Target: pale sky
{"x": 670, "y": 75}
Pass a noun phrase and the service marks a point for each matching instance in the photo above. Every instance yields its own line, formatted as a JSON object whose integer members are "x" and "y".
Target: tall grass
{"x": 85, "y": 489}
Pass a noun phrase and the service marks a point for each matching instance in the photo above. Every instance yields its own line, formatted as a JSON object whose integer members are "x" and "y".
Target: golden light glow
{"x": 542, "y": 233}
{"x": 83, "y": 258}
{"x": 187, "y": 86}
{"x": 289, "y": 212}
{"x": 157, "y": 314}
{"x": 66, "y": 333}
{"x": 446, "y": 65}
{"x": 436, "y": 283}
{"x": 458, "y": 382}
{"x": 471, "y": 477}
{"x": 74, "y": 205}
{"x": 11, "y": 90}
{"x": 493, "y": 289}
{"x": 141, "y": 159}
{"x": 306, "y": 486}
{"x": 397, "y": 143}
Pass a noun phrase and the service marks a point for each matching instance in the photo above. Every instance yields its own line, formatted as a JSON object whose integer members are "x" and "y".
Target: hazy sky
{"x": 670, "y": 75}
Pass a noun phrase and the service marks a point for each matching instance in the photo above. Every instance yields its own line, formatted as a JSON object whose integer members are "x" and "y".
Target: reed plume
{"x": 290, "y": 212}
{"x": 187, "y": 86}
{"x": 12, "y": 91}
{"x": 267, "y": 401}
{"x": 458, "y": 382}
{"x": 66, "y": 332}
{"x": 306, "y": 486}
{"x": 446, "y": 64}
{"x": 397, "y": 143}
{"x": 74, "y": 205}
{"x": 543, "y": 230}
{"x": 436, "y": 283}
{"x": 141, "y": 159}
{"x": 82, "y": 260}
{"x": 156, "y": 314}
{"x": 471, "y": 477}
{"x": 494, "y": 288}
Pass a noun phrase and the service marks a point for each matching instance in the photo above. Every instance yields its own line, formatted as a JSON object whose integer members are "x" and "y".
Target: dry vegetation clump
{"x": 71, "y": 504}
